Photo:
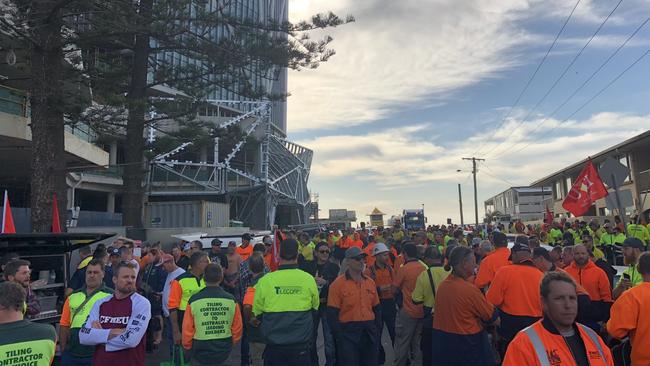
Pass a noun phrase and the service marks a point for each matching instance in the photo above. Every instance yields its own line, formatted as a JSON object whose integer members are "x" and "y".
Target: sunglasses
{"x": 324, "y": 251}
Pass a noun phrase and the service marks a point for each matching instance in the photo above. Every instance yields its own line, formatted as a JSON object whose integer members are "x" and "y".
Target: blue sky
{"x": 417, "y": 85}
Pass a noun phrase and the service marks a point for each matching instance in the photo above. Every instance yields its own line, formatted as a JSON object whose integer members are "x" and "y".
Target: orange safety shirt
{"x": 370, "y": 259}
{"x": 405, "y": 280}
{"x": 490, "y": 265}
{"x": 383, "y": 277}
{"x": 515, "y": 290}
{"x": 460, "y": 307}
{"x": 354, "y": 299}
{"x": 399, "y": 261}
{"x": 554, "y": 348}
{"x": 244, "y": 253}
{"x": 593, "y": 279}
{"x": 630, "y": 316}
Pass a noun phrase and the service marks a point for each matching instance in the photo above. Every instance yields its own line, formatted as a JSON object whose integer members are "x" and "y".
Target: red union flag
{"x": 275, "y": 250}
{"x": 585, "y": 191}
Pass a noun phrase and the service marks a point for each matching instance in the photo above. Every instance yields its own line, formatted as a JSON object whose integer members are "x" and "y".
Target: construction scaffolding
{"x": 277, "y": 175}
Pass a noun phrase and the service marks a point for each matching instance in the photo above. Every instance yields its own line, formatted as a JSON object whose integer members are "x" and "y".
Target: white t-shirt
{"x": 167, "y": 289}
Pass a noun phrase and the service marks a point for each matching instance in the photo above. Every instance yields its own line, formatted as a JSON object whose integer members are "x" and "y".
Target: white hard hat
{"x": 379, "y": 248}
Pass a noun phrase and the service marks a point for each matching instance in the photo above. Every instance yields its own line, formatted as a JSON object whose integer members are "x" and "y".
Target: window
{"x": 567, "y": 186}
{"x": 558, "y": 190}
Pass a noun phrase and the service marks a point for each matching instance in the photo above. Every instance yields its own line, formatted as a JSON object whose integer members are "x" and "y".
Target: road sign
{"x": 612, "y": 170}
{"x": 626, "y": 200}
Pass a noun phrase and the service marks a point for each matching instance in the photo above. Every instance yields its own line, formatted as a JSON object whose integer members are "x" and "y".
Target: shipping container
{"x": 204, "y": 214}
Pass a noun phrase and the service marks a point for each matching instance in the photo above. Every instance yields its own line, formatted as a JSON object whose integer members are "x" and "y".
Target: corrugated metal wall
{"x": 187, "y": 214}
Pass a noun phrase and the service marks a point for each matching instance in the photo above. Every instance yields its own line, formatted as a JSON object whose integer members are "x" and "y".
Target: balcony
{"x": 13, "y": 102}
{"x": 16, "y": 136}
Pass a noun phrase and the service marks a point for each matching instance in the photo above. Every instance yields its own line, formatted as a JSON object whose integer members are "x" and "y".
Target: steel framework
{"x": 280, "y": 174}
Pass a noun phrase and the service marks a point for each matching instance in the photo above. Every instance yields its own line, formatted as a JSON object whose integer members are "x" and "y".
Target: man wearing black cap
{"x": 215, "y": 254}
{"x": 285, "y": 302}
{"x": 515, "y": 291}
{"x": 632, "y": 248}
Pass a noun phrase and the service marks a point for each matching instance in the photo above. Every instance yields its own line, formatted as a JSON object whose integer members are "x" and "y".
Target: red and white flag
{"x": 585, "y": 191}
{"x": 8, "y": 226}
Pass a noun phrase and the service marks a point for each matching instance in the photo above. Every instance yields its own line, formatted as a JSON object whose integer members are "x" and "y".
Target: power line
{"x": 530, "y": 80}
{"x": 584, "y": 104}
{"x": 559, "y": 78}
{"x": 494, "y": 175}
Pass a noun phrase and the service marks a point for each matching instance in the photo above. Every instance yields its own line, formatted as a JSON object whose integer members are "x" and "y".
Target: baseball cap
{"x": 216, "y": 242}
{"x": 354, "y": 252}
{"x": 499, "y": 238}
{"x": 113, "y": 251}
{"x": 166, "y": 258}
{"x": 379, "y": 248}
{"x": 633, "y": 243}
{"x": 476, "y": 242}
{"x": 246, "y": 236}
{"x": 518, "y": 247}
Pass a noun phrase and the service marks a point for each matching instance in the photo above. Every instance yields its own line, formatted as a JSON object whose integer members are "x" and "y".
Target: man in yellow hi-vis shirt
{"x": 285, "y": 301}
{"x": 22, "y": 342}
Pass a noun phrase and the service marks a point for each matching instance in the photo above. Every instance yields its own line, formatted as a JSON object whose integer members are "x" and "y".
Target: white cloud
{"x": 401, "y": 52}
{"x": 402, "y": 162}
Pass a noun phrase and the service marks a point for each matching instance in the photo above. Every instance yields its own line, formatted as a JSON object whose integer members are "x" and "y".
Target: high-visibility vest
{"x": 77, "y": 298}
{"x": 189, "y": 285}
{"x": 79, "y": 316}
{"x": 26, "y": 343}
{"x": 213, "y": 315}
{"x": 540, "y": 347}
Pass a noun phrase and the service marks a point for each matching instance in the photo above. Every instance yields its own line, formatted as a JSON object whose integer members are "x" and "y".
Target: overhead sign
{"x": 612, "y": 170}
{"x": 625, "y": 196}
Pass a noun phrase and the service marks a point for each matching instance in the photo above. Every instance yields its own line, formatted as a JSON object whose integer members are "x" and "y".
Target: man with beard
{"x": 632, "y": 248}
{"x": 18, "y": 271}
{"x": 595, "y": 281}
{"x": 117, "y": 324}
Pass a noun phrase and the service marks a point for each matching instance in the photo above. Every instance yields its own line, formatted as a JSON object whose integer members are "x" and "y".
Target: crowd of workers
{"x": 446, "y": 295}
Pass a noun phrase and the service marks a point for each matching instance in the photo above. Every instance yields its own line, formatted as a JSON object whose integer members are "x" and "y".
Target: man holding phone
{"x": 632, "y": 248}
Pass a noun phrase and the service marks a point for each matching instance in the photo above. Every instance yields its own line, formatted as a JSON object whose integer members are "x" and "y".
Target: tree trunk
{"x": 48, "y": 145}
{"x": 134, "y": 171}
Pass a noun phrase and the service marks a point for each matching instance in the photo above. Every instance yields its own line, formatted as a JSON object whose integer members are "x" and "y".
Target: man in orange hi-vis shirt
{"x": 630, "y": 315}
{"x": 557, "y": 339}
{"x": 493, "y": 261}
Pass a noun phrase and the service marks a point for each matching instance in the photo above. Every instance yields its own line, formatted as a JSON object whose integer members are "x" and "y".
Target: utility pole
{"x": 460, "y": 202}
{"x": 474, "y": 171}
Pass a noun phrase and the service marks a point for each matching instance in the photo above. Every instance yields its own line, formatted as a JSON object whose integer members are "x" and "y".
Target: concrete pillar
{"x": 110, "y": 202}
{"x": 112, "y": 158}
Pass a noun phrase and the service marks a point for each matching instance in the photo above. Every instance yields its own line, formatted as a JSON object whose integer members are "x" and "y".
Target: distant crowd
{"x": 562, "y": 293}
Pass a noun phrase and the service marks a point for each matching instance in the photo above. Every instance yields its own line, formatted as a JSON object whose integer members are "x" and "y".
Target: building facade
{"x": 263, "y": 177}
{"x": 633, "y": 153}
{"x": 520, "y": 203}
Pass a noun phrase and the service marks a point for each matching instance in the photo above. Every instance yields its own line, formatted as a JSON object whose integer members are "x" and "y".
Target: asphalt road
{"x": 162, "y": 354}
